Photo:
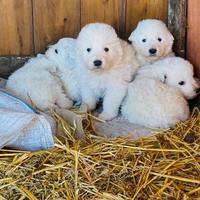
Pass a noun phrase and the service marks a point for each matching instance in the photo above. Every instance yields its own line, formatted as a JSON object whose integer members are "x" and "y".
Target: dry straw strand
{"x": 161, "y": 167}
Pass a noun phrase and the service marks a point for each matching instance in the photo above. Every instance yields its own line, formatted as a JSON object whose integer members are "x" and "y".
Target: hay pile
{"x": 163, "y": 167}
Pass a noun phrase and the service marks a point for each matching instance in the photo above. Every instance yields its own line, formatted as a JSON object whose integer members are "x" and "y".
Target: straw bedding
{"x": 166, "y": 166}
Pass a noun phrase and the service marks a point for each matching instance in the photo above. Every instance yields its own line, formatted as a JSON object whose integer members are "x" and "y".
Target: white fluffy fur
{"x": 48, "y": 80}
{"x": 155, "y": 98}
{"x": 146, "y": 36}
{"x": 110, "y": 80}
{"x": 66, "y": 62}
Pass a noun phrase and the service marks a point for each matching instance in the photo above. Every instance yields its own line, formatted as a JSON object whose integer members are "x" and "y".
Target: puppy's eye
{"x": 106, "y": 49}
{"x": 88, "y": 49}
{"x": 144, "y": 40}
{"x": 165, "y": 78}
{"x": 181, "y": 83}
{"x": 159, "y": 39}
{"x": 56, "y": 50}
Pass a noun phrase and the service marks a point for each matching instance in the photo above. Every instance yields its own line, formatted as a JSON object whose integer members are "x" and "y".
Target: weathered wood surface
{"x": 142, "y": 9}
{"x": 100, "y": 11}
{"x": 122, "y": 18}
{"x": 54, "y": 19}
{"x": 193, "y": 34}
{"x": 28, "y": 26}
{"x": 177, "y": 24}
{"x": 16, "y": 36}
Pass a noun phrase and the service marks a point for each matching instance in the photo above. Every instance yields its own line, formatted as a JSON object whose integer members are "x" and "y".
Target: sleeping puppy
{"x": 47, "y": 80}
{"x": 157, "y": 96}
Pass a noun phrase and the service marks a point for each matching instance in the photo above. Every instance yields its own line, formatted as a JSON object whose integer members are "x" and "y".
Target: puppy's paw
{"x": 106, "y": 116}
{"x": 65, "y": 103}
{"x": 86, "y": 107}
{"x": 83, "y": 108}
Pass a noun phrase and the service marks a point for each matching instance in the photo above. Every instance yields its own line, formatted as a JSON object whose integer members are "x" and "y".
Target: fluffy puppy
{"x": 105, "y": 67}
{"x": 157, "y": 96}
{"x": 47, "y": 80}
{"x": 152, "y": 41}
{"x": 63, "y": 54}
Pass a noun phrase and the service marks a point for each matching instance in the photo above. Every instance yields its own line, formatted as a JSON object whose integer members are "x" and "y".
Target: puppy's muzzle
{"x": 152, "y": 51}
{"x": 97, "y": 63}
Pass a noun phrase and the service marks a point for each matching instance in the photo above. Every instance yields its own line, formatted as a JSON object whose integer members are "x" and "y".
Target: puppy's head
{"x": 179, "y": 74}
{"x": 98, "y": 46}
{"x": 175, "y": 72}
{"x": 59, "y": 53}
{"x": 151, "y": 39}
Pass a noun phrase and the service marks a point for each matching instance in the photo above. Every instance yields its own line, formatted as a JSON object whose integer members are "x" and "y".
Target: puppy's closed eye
{"x": 56, "y": 50}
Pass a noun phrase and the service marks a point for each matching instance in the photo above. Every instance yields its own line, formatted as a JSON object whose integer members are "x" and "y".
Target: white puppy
{"x": 63, "y": 53}
{"x": 105, "y": 67}
{"x": 47, "y": 80}
{"x": 152, "y": 41}
{"x": 157, "y": 96}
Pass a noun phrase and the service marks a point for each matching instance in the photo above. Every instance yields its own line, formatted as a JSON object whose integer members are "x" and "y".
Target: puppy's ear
{"x": 134, "y": 35}
{"x": 170, "y": 39}
{"x": 130, "y": 39}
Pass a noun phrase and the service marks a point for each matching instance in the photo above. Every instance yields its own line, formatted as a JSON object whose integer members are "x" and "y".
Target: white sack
{"x": 22, "y": 127}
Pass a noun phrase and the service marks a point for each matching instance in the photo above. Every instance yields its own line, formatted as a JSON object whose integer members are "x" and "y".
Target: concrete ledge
{"x": 10, "y": 64}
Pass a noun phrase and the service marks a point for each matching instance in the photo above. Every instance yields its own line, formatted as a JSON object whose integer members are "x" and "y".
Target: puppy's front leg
{"x": 88, "y": 99}
{"x": 112, "y": 101}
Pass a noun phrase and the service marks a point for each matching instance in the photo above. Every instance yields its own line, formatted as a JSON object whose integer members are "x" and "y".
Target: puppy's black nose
{"x": 97, "y": 63}
{"x": 197, "y": 90}
{"x": 152, "y": 51}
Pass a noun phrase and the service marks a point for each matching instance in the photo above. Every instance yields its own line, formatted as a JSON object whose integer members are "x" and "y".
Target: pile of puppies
{"x": 144, "y": 78}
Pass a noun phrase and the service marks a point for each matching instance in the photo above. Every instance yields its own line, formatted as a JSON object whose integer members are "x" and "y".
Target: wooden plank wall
{"x": 177, "y": 24}
{"x": 142, "y": 9}
{"x": 53, "y": 19}
{"x": 193, "y": 34}
{"x": 16, "y": 34}
{"x": 28, "y": 26}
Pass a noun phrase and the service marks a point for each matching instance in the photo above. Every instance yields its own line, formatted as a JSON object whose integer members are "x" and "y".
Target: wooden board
{"x": 193, "y": 34}
{"x": 107, "y": 11}
{"x": 177, "y": 24}
{"x": 29, "y": 26}
{"x": 16, "y": 36}
{"x": 54, "y": 19}
{"x": 142, "y": 9}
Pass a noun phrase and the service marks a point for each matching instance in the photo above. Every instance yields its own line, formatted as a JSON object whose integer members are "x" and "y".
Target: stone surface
{"x": 10, "y": 64}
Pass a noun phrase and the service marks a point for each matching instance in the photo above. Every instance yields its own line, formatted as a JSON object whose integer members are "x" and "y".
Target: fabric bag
{"x": 22, "y": 127}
